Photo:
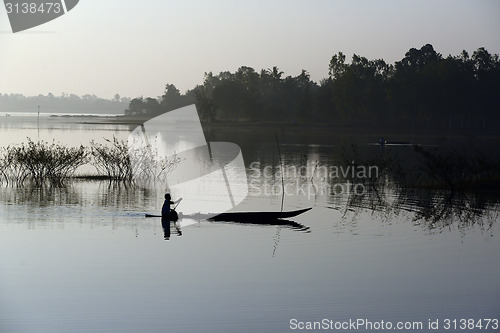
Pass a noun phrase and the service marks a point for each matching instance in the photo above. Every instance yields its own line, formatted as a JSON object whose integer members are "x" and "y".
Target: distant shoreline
{"x": 322, "y": 128}
{"x": 376, "y": 132}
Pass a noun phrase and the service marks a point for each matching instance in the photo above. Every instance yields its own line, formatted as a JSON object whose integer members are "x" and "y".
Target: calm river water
{"x": 82, "y": 258}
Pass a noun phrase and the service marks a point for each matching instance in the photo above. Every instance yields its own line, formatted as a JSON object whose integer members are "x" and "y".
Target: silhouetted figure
{"x": 169, "y": 215}
{"x": 165, "y": 210}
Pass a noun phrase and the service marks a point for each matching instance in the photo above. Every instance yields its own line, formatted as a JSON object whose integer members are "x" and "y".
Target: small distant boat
{"x": 397, "y": 143}
{"x": 7, "y": 115}
{"x": 384, "y": 142}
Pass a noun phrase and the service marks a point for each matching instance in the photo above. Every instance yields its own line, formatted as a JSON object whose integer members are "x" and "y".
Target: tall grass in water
{"x": 117, "y": 161}
{"x": 113, "y": 160}
{"x": 149, "y": 166}
{"x": 40, "y": 162}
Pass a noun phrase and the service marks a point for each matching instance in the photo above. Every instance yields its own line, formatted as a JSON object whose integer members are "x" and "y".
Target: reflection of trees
{"x": 119, "y": 195}
{"x": 439, "y": 187}
{"x": 440, "y": 209}
{"x": 42, "y": 196}
{"x": 436, "y": 209}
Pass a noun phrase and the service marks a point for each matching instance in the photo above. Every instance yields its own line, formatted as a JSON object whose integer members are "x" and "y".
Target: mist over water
{"x": 82, "y": 257}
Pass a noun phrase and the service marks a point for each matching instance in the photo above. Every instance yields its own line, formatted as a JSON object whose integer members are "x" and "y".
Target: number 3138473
{"x": 470, "y": 324}
{"x": 33, "y": 8}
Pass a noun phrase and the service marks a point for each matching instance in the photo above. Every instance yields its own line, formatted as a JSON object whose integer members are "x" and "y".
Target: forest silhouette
{"x": 422, "y": 90}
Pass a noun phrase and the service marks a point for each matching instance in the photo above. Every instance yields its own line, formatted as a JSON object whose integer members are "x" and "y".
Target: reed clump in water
{"x": 112, "y": 160}
{"x": 117, "y": 161}
{"x": 41, "y": 162}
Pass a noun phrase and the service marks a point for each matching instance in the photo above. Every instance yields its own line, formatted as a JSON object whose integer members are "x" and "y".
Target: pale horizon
{"x": 135, "y": 49}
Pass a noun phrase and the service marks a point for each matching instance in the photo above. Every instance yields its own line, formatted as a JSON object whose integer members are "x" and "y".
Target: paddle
{"x": 178, "y": 203}
{"x": 154, "y": 215}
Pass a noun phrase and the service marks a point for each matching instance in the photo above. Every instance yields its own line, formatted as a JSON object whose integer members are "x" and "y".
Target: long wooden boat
{"x": 243, "y": 216}
{"x": 252, "y": 216}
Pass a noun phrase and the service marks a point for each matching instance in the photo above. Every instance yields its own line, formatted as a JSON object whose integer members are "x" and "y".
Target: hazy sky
{"x": 134, "y": 48}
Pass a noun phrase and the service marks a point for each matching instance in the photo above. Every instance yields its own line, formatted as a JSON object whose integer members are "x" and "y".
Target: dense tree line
{"x": 149, "y": 107}
{"x": 422, "y": 90}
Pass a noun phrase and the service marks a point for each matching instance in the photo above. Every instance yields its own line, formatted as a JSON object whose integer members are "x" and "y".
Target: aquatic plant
{"x": 4, "y": 165}
{"x": 118, "y": 161}
{"x": 11, "y": 169}
{"x": 149, "y": 166}
{"x": 112, "y": 160}
{"x": 40, "y": 162}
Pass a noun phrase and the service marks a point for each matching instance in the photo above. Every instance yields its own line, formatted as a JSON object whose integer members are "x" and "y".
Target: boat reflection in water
{"x": 292, "y": 225}
{"x": 252, "y": 219}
